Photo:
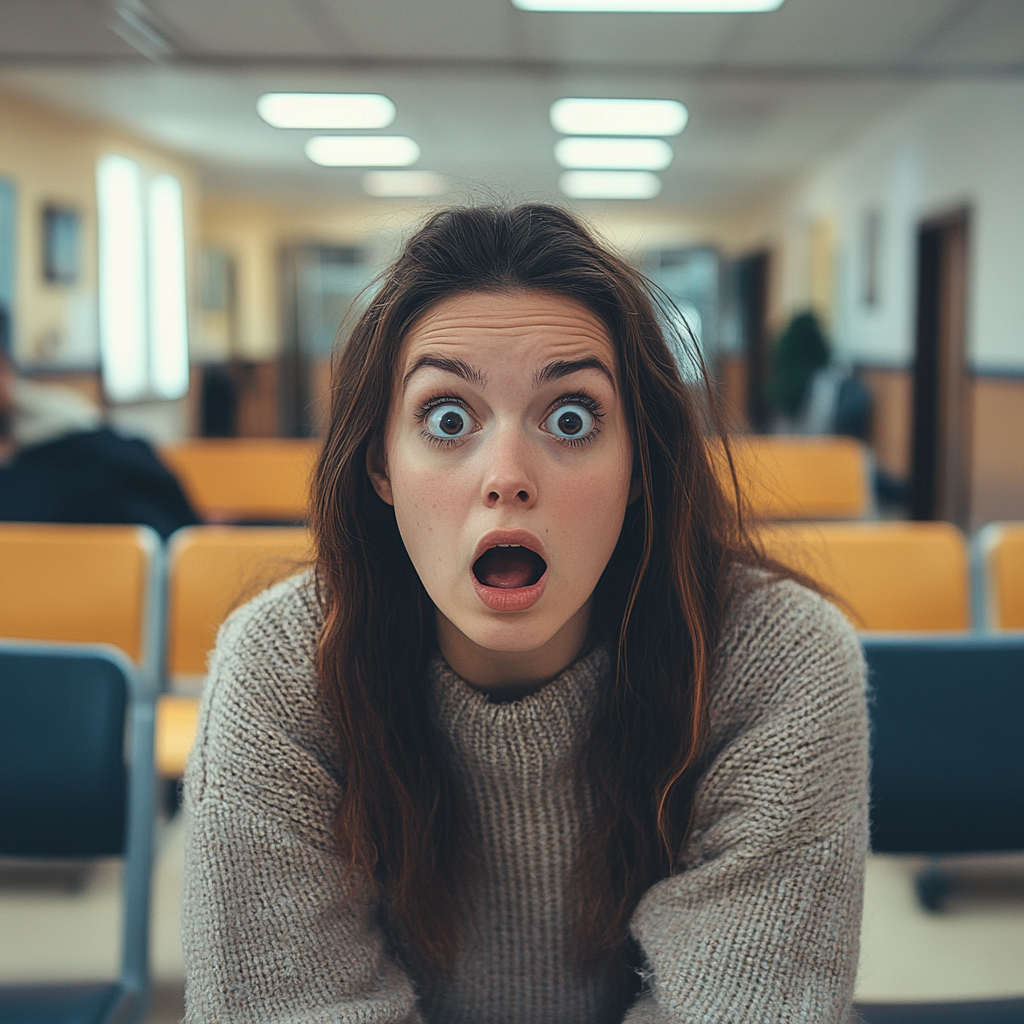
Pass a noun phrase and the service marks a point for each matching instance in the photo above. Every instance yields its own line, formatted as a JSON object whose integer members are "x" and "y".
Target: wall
{"x": 51, "y": 157}
{"x": 951, "y": 145}
{"x": 253, "y": 232}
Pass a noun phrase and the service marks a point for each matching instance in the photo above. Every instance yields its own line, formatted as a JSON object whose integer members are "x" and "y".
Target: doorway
{"x": 940, "y": 445}
{"x": 752, "y": 305}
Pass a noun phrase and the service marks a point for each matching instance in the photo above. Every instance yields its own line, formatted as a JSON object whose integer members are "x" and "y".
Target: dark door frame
{"x": 940, "y": 434}
{"x": 752, "y": 277}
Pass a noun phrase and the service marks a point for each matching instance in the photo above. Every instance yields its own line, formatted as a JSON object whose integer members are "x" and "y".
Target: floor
{"x": 66, "y": 926}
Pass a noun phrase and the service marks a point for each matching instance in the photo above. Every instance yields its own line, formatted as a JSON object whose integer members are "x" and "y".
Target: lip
{"x": 521, "y": 598}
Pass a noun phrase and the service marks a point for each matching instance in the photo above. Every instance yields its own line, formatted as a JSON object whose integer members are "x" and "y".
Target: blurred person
{"x": 60, "y": 464}
{"x": 542, "y": 736}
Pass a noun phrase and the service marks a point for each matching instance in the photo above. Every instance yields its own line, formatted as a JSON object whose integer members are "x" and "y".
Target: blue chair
{"x": 993, "y": 1011}
{"x": 947, "y": 718}
{"x": 66, "y": 711}
{"x": 947, "y": 773}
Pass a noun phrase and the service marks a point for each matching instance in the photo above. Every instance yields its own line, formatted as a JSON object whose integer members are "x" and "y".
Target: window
{"x": 143, "y": 311}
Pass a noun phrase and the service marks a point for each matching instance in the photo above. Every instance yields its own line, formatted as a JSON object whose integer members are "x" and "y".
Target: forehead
{"x": 477, "y": 326}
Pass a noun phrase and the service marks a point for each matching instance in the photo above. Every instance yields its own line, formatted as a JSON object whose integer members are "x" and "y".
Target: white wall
{"x": 951, "y": 145}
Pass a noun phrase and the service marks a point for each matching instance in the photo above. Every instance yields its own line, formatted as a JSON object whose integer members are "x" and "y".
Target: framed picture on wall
{"x": 61, "y": 244}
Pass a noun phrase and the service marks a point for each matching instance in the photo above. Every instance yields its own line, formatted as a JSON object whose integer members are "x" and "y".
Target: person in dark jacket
{"x": 60, "y": 464}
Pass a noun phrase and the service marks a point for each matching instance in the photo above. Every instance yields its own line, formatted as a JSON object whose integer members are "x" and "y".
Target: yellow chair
{"x": 87, "y": 584}
{"x": 244, "y": 479}
{"x": 211, "y": 571}
{"x": 797, "y": 477}
{"x": 1001, "y": 549}
{"x": 886, "y": 575}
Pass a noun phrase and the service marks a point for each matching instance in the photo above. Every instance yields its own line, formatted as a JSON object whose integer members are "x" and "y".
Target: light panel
{"x": 632, "y": 154}
{"x": 168, "y": 312}
{"x": 609, "y": 184}
{"x": 122, "y": 278}
{"x": 586, "y": 116}
{"x": 398, "y": 184}
{"x": 362, "y": 150}
{"x": 325, "y": 110}
{"x": 651, "y": 6}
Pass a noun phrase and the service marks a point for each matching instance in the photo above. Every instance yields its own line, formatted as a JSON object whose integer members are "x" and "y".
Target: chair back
{"x": 211, "y": 571}
{"x": 947, "y": 716}
{"x": 886, "y": 575}
{"x": 69, "y": 714}
{"x": 798, "y": 477}
{"x": 231, "y": 480}
{"x": 985, "y": 1011}
{"x": 84, "y": 584}
{"x": 1001, "y": 550}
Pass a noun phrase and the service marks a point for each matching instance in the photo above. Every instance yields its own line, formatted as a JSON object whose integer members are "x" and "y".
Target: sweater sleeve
{"x": 761, "y": 923}
{"x": 273, "y": 929}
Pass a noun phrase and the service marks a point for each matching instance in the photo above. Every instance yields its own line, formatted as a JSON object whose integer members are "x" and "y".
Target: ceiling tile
{"x": 248, "y": 28}
{"x": 989, "y": 33}
{"x": 680, "y": 39}
{"x": 58, "y": 27}
{"x": 440, "y": 29}
{"x": 868, "y": 34}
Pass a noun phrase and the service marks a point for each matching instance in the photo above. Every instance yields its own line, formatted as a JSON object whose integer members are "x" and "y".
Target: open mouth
{"x": 509, "y": 567}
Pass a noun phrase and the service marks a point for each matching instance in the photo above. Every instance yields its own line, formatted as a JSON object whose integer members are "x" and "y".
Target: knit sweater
{"x": 760, "y": 923}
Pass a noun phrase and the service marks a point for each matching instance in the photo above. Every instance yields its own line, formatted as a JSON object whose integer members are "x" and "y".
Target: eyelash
{"x": 580, "y": 398}
{"x": 592, "y": 406}
{"x": 424, "y": 411}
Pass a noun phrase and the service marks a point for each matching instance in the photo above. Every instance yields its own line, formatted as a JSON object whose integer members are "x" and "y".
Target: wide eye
{"x": 570, "y": 421}
{"x": 448, "y": 421}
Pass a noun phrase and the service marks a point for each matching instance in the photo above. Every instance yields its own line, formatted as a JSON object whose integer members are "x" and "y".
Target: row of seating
{"x": 116, "y": 585}
{"x": 898, "y": 575}
{"x": 781, "y": 477}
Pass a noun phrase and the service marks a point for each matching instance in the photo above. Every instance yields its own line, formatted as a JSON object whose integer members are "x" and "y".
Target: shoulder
{"x": 786, "y": 762}
{"x": 784, "y": 646}
{"x": 283, "y": 621}
{"x": 263, "y": 733}
{"x": 265, "y": 658}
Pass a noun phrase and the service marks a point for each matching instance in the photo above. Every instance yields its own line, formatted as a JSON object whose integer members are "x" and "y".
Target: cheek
{"x": 590, "y": 509}
{"x": 427, "y": 503}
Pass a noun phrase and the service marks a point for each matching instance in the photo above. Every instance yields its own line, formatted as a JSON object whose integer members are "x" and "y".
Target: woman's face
{"x": 507, "y": 459}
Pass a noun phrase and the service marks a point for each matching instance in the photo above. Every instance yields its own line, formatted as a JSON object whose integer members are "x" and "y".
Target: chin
{"x": 514, "y": 636}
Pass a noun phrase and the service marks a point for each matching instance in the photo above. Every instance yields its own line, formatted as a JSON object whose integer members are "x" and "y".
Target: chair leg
{"x": 932, "y": 886}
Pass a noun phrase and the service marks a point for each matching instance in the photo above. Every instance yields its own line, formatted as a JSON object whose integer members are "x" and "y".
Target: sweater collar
{"x": 534, "y": 736}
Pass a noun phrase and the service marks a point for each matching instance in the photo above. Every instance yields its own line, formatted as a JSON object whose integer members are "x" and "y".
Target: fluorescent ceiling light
{"x": 618, "y": 117}
{"x": 634, "y": 154}
{"x": 609, "y": 184}
{"x": 325, "y": 110}
{"x": 122, "y": 278}
{"x": 651, "y": 6}
{"x": 168, "y": 312}
{"x": 362, "y": 150}
{"x": 394, "y": 184}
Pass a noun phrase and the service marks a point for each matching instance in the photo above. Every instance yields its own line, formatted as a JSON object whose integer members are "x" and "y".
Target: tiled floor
{"x": 974, "y": 948}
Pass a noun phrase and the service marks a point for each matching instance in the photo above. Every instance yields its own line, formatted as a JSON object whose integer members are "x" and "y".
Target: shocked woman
{"x": 542, "y": 737}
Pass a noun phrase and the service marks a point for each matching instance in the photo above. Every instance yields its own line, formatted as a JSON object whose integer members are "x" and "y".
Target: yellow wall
{"x": 51, "y": 156}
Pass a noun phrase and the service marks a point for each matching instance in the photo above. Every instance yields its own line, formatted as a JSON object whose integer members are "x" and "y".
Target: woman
{"x": 542, "y": 738}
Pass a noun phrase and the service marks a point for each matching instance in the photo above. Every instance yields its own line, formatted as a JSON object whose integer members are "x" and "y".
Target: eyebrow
{"x": 456, "y": 366}
{"x": 564, "y": 367}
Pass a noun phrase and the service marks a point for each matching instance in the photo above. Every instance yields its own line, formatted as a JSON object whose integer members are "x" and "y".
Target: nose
{"x": 508, "y": 480}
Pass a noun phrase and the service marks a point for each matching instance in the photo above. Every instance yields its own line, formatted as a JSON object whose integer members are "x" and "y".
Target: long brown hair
{"x": 659, "y": 605}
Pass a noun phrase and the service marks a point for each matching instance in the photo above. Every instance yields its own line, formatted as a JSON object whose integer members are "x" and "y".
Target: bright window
{"x": 143, "y": 311}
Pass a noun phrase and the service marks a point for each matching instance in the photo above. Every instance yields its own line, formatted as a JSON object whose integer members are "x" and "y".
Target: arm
{"x": 273, "y": 928}
{"x": 762, "y": 922}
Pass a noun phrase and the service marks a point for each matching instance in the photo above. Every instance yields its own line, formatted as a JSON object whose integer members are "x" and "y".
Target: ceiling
{"x": 473, "y": 80}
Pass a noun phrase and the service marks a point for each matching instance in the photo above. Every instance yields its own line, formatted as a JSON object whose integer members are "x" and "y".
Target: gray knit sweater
{"x": 760, "y": 925}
